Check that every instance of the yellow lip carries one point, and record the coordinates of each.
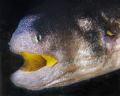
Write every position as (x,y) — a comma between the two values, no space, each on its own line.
(34,62)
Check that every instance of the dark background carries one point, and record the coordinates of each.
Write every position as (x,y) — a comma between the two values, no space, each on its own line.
(11,11)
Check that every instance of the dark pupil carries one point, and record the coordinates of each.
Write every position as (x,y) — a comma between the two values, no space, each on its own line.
(38,37)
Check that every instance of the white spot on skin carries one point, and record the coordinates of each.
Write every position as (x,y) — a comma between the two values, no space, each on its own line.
(85,24)
(84,52)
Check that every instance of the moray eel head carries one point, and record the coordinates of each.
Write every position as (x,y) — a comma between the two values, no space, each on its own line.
(62,47)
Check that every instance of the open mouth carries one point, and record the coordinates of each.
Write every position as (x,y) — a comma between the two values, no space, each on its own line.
(33,62)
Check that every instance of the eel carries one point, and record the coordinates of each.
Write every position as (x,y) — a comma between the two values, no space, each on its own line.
(64,42)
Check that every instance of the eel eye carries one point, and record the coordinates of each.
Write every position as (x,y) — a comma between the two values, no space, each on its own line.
(37,38)
(109,33)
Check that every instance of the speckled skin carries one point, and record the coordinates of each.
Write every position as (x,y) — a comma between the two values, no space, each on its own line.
(76,35)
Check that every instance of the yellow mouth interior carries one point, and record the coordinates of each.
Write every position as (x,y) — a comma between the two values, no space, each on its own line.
(34,62)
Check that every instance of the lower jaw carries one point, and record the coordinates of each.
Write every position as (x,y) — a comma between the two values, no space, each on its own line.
(65,81)
(82,75)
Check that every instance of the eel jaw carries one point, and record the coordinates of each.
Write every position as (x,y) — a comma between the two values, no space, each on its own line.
(34,62)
